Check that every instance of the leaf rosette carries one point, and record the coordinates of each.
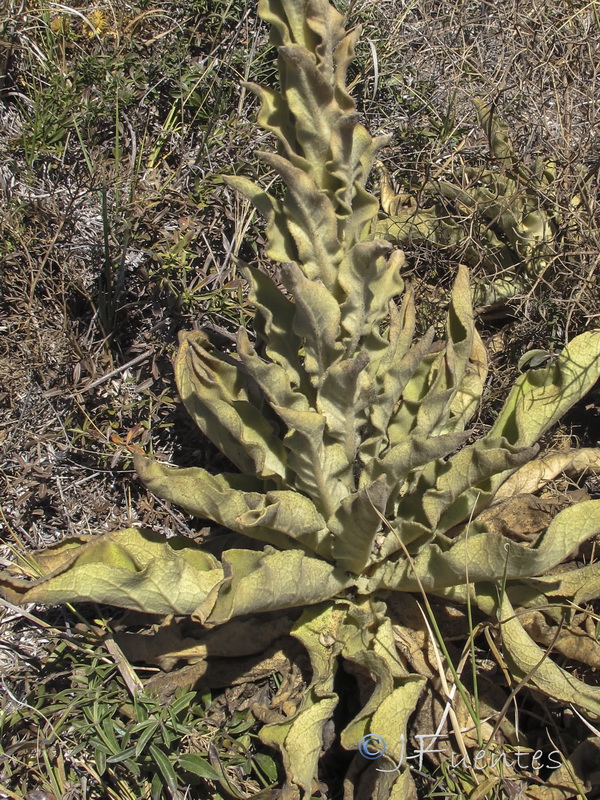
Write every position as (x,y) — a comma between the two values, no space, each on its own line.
(505,221)
(356,472)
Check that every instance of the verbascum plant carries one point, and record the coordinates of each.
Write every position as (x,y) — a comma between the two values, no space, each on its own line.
(355,470)
(505,221)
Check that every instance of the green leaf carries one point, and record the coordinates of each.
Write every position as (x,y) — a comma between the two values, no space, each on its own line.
(470,391)
(485,557)
(165,767)
(370,280)
(390,374)
(541,396)
(273,116)
(446,375)
(535,358)
(355,525)
(134,568)
(320,468)
(311,222)
(191,762)
(349,439)
(281,245)
(461,485)
(100,759)
(124,755)
(217,395)
(527,659)
(316,322)
(274,380)
(106,730)
(293,515)
(266,765)
(353,152)
(150,727)
(369,642)
(274,326)
(210,496)
(496,130)
(581,585)
(343,396)
(300,739)
(403,459)
(270,581)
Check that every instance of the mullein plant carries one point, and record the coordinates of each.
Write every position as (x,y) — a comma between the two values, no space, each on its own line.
(505,221)
(355,470)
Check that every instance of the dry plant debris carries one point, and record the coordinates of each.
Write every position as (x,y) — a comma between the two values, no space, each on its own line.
(113,239)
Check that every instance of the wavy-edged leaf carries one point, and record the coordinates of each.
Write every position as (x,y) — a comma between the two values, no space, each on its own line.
(343,396)
(273,323)
(445,379)
(294,515)
(355,524)
(419,373)
(300,739)
(133,568)
(294,518)
(220,498)
(496,130)
(316,321)
(353,151)
(369,641)
(311,221)
(408,456)
(311,100)
(217,395)
(390,373)
(274,117)
(485,557)
(462,486)
(370,280)
(318,467)
(470,390)
(286,19)
(541,396)
(269,581)
(335,48)
(280,242)
(273,379)
(447,492)
(527,659)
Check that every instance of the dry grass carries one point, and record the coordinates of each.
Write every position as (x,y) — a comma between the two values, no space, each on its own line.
(116,231)
(537,65)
